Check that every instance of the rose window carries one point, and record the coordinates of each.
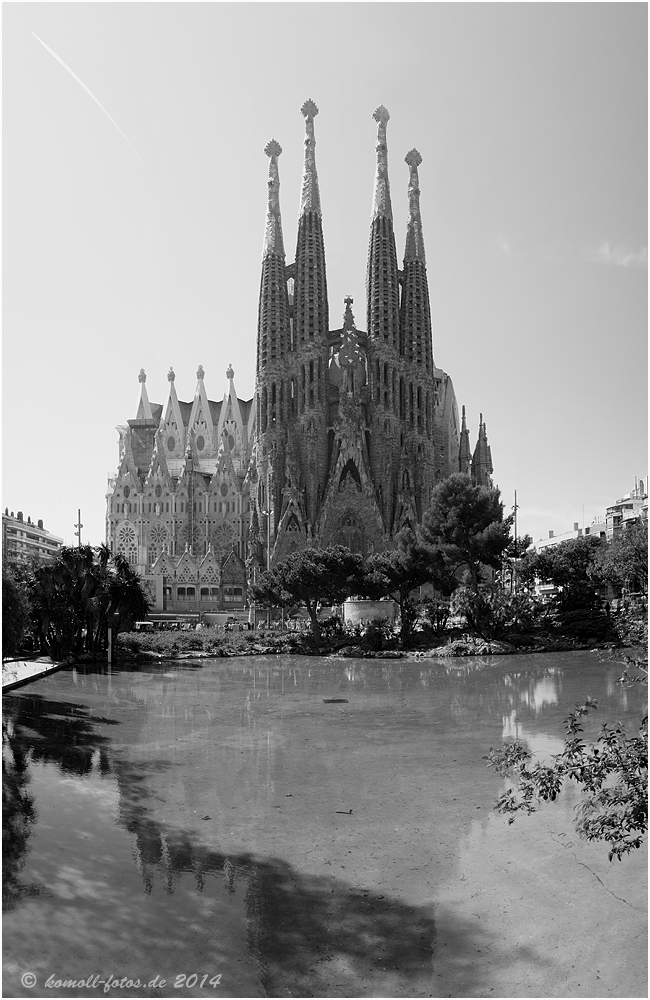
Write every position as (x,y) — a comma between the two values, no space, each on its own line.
(127,542)
(223,537)
(157,541)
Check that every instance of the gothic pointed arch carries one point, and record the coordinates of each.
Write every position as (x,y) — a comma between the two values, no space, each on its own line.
(126,541)
(164,566)
(210,568)
(201,428)
(172,426)
(187,568)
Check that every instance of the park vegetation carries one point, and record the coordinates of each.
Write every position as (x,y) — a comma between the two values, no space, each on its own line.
(65,608)
(612,775)
(483,582)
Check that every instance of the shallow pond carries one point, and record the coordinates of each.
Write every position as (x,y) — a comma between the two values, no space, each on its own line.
(294,826)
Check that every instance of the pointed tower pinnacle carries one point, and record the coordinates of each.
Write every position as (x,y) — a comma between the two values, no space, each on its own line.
(414,240)
(144,407)
(415,310)
(482,458)
(348,315)
(273,242)
(381,200)
(464,453)
(311,312)
(273,315)
(382,281)
(310,197)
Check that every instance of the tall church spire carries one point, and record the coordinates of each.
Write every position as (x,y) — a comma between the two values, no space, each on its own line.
(414,238)
(311,313)
(381,200)
(273,242)
(309,388)
(415,308)
(382,283)
(464,452)
(273,316)
(310,196)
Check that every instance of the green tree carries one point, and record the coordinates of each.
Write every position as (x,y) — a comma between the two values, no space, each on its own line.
(572,567)
(396,573)
(518,547)
(465,527)
(75,597)
(311,577)
(623,561)
(611,774)
(16,609)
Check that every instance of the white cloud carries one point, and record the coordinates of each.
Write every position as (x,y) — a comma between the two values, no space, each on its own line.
(503,245)
(618,256)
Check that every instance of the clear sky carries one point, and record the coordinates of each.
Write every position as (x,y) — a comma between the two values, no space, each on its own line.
(136,243)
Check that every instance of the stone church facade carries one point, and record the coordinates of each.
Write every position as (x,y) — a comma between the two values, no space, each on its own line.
(344,440)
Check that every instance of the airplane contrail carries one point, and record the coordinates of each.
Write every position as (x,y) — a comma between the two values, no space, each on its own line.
(90,94)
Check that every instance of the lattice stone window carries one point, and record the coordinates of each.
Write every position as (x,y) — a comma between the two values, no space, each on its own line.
(127,541)
(223,537)
(157,540)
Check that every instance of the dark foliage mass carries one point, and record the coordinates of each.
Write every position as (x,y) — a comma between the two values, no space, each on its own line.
(311,577)
(465,527)
(69,604)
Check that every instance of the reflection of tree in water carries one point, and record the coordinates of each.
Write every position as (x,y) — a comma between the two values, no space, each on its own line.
(58,732)
(18,815)
(35,729)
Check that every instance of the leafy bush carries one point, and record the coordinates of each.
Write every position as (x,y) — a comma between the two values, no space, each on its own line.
(495,614)
(435,615)
(585,623)
(613,776)
(631,627)
(207,640)
(378,635)
(332,627)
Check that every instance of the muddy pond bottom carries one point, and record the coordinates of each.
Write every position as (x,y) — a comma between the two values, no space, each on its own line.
(296,827)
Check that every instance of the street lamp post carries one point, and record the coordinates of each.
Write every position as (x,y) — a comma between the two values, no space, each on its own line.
(78,526)
(514,563)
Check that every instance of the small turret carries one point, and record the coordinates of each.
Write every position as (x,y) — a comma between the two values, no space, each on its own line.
(464,454)
(144,407)
(482,458)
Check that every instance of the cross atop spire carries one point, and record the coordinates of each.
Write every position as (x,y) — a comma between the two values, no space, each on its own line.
(310,196)
(414,249)
(381,203)
(273,242)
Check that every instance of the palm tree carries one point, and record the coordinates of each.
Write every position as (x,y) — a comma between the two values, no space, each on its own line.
(79,593)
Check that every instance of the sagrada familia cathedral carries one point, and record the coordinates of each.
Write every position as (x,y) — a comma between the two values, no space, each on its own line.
(344,440)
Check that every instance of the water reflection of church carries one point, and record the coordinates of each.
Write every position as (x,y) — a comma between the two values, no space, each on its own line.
(346,435)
